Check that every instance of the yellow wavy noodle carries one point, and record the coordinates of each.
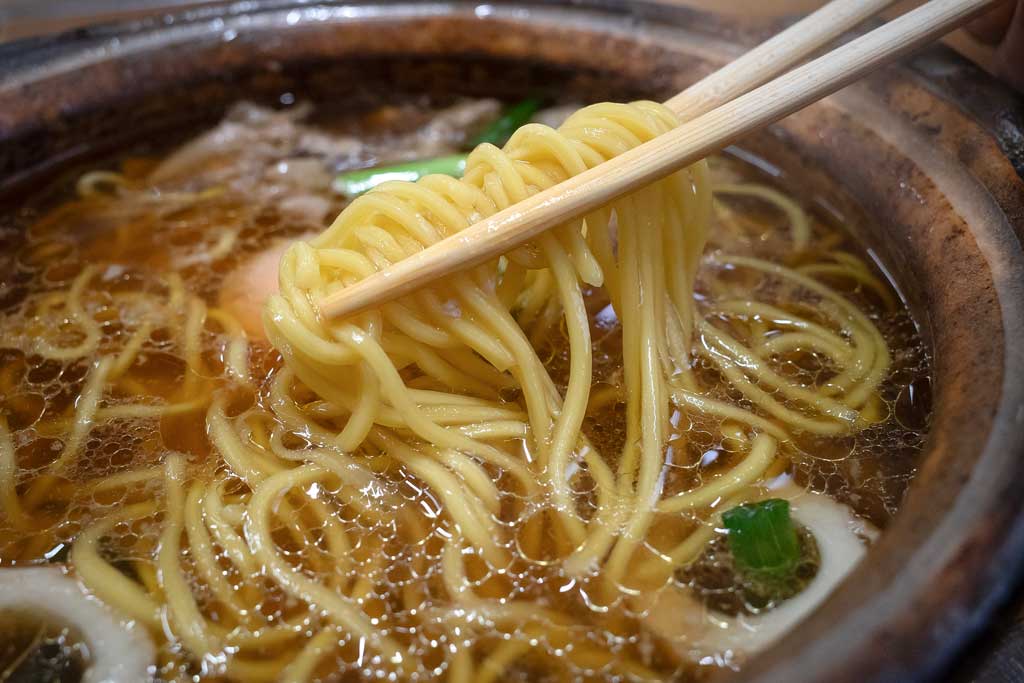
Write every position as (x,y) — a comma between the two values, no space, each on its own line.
(375,503)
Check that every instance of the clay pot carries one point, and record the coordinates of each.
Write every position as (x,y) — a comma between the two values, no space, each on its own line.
(928,155)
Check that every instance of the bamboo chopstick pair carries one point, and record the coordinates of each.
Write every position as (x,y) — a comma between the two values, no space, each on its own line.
(718,110)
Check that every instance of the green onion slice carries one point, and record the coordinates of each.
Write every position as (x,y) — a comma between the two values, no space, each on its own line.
(509,122)
(763,539)
(354,183)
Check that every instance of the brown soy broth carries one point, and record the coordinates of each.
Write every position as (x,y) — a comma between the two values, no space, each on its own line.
(32,650)
(868,470)
(137,243)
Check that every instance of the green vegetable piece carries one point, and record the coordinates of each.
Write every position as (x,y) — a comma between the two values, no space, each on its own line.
(355,183)
(763,539)
(501,130)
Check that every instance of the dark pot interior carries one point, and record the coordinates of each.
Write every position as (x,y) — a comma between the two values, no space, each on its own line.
(923,154)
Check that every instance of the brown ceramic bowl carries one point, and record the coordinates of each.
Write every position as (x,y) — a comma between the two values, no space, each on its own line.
(924,153)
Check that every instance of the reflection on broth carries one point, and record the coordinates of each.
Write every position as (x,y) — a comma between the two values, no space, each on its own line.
(157,447)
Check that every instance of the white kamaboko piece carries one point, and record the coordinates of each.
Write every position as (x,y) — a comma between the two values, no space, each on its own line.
(695,632)
(118,651)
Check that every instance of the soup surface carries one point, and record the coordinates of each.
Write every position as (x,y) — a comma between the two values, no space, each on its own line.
(138,389)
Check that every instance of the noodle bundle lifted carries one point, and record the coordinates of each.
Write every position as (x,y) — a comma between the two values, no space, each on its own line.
(422,361)
(459,343)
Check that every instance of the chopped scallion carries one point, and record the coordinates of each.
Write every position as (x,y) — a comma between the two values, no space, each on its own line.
(498,132)
(354,183)
(763,539)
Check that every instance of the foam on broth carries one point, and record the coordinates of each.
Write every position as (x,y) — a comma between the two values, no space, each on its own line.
(200,218)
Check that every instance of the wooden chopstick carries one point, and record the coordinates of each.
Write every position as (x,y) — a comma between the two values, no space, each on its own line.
(694,140)
(751,69)
(779,53)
